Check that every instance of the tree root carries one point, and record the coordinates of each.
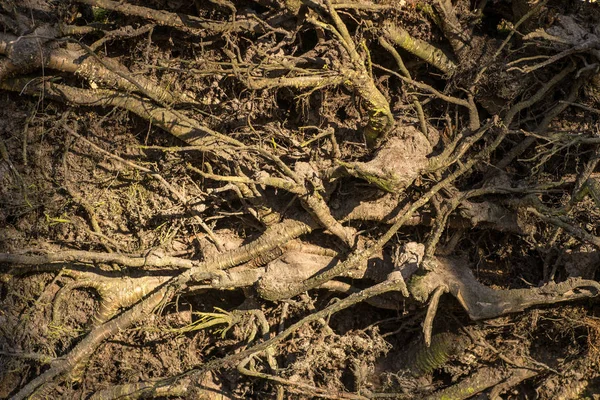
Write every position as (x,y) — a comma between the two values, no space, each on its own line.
(300,387)
(419,48)
(482,302)
(201,387)
(359,79)
(59,259)
(186,23)
(105,71)
(361,256)
(114,293)
(390,285)
(88,345)
(290,271)
(274,237)
(180,126)
(306,185)
(483,379)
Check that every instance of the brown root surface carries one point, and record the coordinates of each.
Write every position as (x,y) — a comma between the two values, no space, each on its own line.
(299,199)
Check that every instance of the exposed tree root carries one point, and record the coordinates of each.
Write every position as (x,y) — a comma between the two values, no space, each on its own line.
(114,293)
(421,49)
(393,284)
(188,23)
(483,379)
(275,101)
(482,302)
(84,349)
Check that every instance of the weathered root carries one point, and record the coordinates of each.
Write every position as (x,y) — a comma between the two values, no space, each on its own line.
(185,128)
(276,236)
(114,293)
(58,259)
(284,59)
(203,387)
(360,79)
(395,283)
(294,386)
(360,257)
(460,39)
(105,71)
(419,48)
(395,167)
(485,378)
(445,275)
(306,185)
(474,120)
(187,23)
(84,349)
(481,302)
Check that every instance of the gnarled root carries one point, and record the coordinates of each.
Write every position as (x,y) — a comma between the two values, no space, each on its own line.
(114,293)
(482,302)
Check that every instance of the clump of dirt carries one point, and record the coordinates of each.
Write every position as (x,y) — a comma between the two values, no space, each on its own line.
(333,361)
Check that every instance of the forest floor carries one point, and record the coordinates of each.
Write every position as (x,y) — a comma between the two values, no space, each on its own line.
(299,199)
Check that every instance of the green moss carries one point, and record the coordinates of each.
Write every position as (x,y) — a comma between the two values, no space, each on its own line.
(100,14)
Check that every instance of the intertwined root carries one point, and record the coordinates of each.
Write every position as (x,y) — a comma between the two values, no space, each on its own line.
(315,200)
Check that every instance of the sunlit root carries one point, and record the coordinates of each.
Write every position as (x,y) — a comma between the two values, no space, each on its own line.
(307,186)
(187,23)
(283,275)
(201,386)
(359,78)
(96,70)
(288,271)
(115,293)
(80,353)
(482,302)
(185,128)
(390,285)
(483,379)
(273,237)
(446,275)
(58,259)
(419,48)
(397,164)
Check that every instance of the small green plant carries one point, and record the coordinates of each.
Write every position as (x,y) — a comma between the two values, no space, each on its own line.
(208,320)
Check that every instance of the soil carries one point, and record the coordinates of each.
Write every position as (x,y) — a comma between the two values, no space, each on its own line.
(117,204)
